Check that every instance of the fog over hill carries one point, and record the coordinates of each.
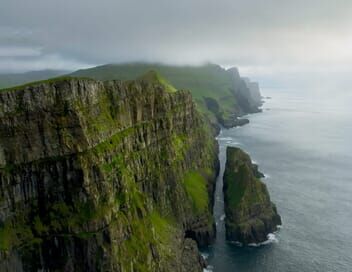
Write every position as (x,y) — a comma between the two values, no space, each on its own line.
(263,38)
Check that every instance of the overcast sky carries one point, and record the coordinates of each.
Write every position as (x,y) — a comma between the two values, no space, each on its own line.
(261,37)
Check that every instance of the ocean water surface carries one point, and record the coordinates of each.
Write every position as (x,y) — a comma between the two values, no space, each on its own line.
(302,143)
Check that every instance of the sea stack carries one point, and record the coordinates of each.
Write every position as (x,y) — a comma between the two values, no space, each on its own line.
(250,215)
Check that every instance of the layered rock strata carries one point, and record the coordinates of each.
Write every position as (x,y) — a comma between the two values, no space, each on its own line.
(104,176)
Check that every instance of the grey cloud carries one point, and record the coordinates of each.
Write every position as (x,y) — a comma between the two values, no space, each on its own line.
(252,34)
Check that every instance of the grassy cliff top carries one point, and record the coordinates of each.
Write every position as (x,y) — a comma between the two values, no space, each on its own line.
(208,82)
(40,82)
(204,81)
(154,77)
(150,77)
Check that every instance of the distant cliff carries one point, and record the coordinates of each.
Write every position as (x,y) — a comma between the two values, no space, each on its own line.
(104,176)
(250,215)
(254,91)
(222,95)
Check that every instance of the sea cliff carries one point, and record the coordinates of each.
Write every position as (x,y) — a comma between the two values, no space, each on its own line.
(104,176)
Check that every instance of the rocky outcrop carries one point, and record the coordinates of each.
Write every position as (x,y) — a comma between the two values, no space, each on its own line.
(103,176)
(234,122)
(250,215)
(227,121)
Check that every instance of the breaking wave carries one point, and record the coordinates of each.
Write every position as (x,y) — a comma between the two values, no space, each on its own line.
(271,240)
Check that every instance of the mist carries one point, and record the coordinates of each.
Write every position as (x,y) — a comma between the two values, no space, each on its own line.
(271,40)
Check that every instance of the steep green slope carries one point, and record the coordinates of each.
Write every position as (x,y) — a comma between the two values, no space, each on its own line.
(104,176)
(154,77)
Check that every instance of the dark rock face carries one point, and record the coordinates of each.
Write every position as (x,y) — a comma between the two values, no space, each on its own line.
(250,215)
(234,122)
(227,121)
(256,171)
(92,178)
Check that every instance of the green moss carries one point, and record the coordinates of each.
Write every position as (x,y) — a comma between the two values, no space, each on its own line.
(236,186)
(152,231)
(99,117)
(180,145)
(7,237)
(17,234)
(9,168)
(196,188)
(39,227)
(163,228)
(112,142)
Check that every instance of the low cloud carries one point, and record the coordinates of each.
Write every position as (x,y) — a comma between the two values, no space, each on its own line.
(259,36)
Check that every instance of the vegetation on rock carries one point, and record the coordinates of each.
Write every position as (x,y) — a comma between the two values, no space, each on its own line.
(103,176)
(229,95)
(250,215)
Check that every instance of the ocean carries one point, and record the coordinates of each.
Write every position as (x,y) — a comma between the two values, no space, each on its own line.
(302,143)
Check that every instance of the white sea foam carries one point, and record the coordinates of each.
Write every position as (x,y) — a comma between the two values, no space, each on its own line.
(271,240)
(224,138)
(208,269)
(235,143)
(204,255)
(222,217)
(267,176)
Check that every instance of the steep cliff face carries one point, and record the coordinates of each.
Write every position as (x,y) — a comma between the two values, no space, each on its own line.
(254,91)
(250,215)
(246,92)
(222,95)
(103,176)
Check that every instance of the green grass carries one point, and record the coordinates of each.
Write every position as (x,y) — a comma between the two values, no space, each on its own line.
(155,77)
(196,188)
(46,81)
(236,186)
